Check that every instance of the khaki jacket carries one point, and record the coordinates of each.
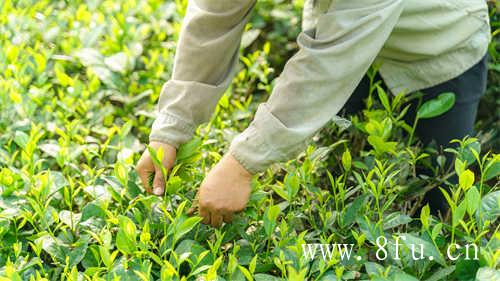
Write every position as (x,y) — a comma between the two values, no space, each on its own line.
(419,43)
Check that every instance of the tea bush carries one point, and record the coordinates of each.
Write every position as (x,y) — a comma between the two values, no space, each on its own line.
(78,84)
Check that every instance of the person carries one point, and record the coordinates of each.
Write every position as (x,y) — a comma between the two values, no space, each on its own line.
(432,46)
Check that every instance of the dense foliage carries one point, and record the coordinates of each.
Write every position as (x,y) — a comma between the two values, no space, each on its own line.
(78,85)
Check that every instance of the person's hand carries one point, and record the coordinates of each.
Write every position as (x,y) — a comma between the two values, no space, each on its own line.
(145,167)
(224,191)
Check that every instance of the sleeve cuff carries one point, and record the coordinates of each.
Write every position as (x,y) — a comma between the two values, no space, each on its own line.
(168,128)
(250,150)
(182,106)
(266,141)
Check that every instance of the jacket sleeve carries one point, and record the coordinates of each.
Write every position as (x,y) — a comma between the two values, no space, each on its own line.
(204,65)
(317,81)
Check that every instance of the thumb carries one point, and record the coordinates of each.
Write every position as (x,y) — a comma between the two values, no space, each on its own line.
(158,182)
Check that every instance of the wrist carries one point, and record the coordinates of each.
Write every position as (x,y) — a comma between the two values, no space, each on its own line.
(232,161)
(165,144)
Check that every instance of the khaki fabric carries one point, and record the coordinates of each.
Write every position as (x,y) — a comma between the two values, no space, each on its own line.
(419,44)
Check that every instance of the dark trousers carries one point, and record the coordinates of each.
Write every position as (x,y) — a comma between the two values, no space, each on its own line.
(457,123)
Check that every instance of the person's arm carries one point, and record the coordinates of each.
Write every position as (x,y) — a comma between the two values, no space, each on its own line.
(313,87)
(207,52)
(317,81)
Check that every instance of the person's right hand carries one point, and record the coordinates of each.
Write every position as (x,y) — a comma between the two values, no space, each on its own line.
(145,167)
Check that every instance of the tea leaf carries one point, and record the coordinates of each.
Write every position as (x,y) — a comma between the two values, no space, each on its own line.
(429,248)
(126,236)
(436,106)
(487,274)
(490,206)
(466,179)
(473,199)
(185,226)
(346,160)
(270,217)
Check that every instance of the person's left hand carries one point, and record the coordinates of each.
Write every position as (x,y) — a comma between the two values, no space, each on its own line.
(224,191)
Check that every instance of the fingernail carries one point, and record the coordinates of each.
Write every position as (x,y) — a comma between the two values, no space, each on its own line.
(158,191)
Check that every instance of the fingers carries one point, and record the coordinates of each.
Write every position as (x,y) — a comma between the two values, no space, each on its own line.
(195,205)
(144,176)
(158,182)
(167,162)
(227,217)
(205,215)
(145,169)
(215,219)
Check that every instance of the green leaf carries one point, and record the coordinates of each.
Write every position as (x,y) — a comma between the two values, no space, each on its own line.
(383,98)
(245,272)
(436,106)
(280,191)
(425,216)
(353,209)
(270,217)
(265,277)
(118,62)
(196,250)
(92,210)
(459,166)
(212,271)
(404,277)
(395,219)
(380,145)
(41,62)
(473,199)
(370,229)
(76,251)
(249,37)
(89,57)
(441,273)
(490,206)
(330,276)
(121,173)
(429,248)
(253,264)
(62,77)
(465,270)
(436,230)
(133,189)
(69,218)
(174,184)
(99,192)
(487,274)
(156,155)
(346,160)
(374,269)
(492,168)
(459,213)
(126,236)
(467,152)
(59,251)
(51,245)
(190,151)
(292,185)
(466,179)
(21,139)
(185,226)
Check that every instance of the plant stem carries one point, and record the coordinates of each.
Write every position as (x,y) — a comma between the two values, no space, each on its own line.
(410,139)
